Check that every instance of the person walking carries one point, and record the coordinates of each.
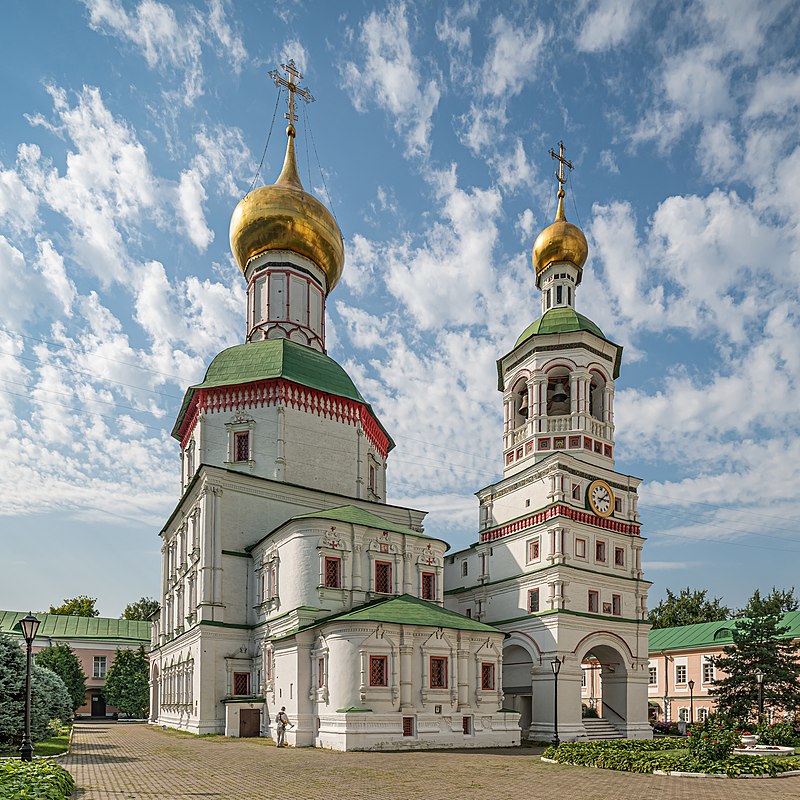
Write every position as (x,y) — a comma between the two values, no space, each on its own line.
(282,722)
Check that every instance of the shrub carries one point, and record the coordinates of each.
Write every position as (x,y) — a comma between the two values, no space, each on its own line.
(587,712)
(779,733)
(666,728)
(43,780)
(713,739)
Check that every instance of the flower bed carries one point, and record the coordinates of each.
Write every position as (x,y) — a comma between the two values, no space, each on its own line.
(43,780)
(663,755)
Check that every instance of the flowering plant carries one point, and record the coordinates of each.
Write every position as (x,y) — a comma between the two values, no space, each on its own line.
(713,739)
(779,733)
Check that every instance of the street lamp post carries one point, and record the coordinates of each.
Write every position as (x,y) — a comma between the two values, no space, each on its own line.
(556,665)
(29,627)
(760,681)
(691,702)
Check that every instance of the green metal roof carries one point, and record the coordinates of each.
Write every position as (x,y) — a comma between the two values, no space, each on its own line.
(358,516)
(709,634)
(559,320)
(408,610)
(59,626)
(275,358)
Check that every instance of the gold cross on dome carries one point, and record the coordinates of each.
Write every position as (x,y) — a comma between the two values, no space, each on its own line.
(292,85)
(562,162)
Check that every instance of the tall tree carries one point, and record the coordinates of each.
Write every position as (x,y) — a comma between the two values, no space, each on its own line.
(686,608)
(80,606)
(142,609)
(757,645)
(126,683)
(62,660)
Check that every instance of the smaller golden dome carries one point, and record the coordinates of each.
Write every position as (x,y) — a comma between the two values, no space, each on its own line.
(284,216)
(561,241)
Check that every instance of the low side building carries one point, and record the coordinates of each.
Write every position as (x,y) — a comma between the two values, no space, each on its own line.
(94,640)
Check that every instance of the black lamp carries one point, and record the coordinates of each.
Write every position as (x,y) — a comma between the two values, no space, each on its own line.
(29,625)
(556,665)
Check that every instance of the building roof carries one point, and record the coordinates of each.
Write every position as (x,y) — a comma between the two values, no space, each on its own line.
(408,610)
(559,320)
(709,634)
(270,359)
(60,626)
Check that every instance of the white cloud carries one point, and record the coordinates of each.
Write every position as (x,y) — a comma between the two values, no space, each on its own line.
(191,196)
(50,264)
(513,57)
(776,93)
(17,283)
(608,24)
(293,49)
(525,225)
(18,205)
(391,77)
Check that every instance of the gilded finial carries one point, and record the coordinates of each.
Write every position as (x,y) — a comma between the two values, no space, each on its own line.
(561,178)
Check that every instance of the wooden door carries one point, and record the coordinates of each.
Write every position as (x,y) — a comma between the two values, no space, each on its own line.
(249,722)
(98,705)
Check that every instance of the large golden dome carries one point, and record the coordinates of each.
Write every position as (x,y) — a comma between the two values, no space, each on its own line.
(284,216)
(561,241)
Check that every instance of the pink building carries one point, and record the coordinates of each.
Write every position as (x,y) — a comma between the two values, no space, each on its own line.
(679,657)
(94,640)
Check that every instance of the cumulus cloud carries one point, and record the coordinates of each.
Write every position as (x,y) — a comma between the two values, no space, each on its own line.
(608,23)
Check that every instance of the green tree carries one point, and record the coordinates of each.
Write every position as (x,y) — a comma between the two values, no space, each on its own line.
(758,645)
(686,608)
(126,683)
(50,700)
(142,609)
(80,606)
(61,660)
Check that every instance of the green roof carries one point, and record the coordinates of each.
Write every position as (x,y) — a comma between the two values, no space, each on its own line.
(408,610)
(60,626)
(559,320)
(709,634)
(275,358)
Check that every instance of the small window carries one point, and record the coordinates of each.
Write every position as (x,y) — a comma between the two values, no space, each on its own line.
(680,673)
(617,505)
(464,568)
(466,725)
(408,726)
(241,684)
(528,503)
(333,573)
(600,551)
(619,556)
(100,666)
(321,672)
(547,298)
(583,678)
(652,676)
(616,605)
(383,577)
(559,295)
(533,601)
(594,601)
(428,586)
(708,671)
(378,671)
(580,548)
(702,714)
(576,491)
(533,549)
(241,446)
(373,479)
(683,715)
(487,676)
(569,294)
(469,613)
(438,672)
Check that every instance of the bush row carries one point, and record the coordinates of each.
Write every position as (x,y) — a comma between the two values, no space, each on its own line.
(43,780)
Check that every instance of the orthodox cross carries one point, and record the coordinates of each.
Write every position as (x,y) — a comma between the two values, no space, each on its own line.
(562,162)
(292,85)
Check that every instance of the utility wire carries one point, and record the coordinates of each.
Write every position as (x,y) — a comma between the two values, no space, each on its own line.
(269,136)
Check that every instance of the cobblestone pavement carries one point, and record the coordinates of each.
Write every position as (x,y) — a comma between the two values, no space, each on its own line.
(117,762)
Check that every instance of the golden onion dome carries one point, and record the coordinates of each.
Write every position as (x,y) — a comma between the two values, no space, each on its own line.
(561,241)
(284,216)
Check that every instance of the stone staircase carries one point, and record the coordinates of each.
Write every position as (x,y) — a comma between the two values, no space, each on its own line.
(598,729)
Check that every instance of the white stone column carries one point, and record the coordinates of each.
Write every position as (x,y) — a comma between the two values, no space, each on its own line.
(406,675)
(463,678)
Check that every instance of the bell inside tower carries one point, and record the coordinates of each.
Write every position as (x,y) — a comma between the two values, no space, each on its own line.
(558,395)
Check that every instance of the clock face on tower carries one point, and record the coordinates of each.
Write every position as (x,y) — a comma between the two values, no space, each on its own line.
(601,498)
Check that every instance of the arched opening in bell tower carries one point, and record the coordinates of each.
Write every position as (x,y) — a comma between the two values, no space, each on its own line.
(604,688)
(521,402)
(597,391)
(558,392)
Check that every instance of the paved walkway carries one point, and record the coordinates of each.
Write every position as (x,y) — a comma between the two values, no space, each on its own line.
(117,762)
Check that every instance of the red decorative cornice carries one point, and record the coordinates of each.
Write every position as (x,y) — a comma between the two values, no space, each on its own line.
(281,392)
(559,510)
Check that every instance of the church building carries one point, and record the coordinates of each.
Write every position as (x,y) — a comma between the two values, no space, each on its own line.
(287,579)
(558,561)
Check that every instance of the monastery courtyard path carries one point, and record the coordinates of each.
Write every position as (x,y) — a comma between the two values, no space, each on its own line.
(117,762)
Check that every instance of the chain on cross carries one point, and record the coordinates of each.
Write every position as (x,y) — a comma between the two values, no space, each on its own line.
(292,85)
(562,162)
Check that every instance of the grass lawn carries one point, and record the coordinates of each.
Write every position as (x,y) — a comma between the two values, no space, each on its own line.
(47,747)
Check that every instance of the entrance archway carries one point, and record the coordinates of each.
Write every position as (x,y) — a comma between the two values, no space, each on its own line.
(606,678)
(517,664)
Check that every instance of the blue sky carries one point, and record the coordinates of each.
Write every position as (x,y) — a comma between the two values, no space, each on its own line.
(131,129)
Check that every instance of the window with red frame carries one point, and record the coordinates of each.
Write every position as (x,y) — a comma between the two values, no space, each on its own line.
(408,726)
(321,672)
(466,725)
(616,605)
(600,551)
(533,601)
(333,573)
(378,671)
(383,577)
(241,683)
(533,550)
(241,446)
(619,557)
(594,602)
(438,672)
(487,676)
(428,586)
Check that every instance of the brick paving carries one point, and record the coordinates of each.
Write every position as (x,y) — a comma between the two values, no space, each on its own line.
(117,762)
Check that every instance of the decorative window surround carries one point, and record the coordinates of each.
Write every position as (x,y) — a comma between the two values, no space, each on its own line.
(239,425)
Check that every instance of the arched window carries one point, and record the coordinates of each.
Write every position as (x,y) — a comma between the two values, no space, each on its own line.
(521,408)
(558,393)
(597,396)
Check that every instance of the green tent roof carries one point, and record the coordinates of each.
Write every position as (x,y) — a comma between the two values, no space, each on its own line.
(559,320)
(275,358)
(709,634)
(408,610)
(59,626)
